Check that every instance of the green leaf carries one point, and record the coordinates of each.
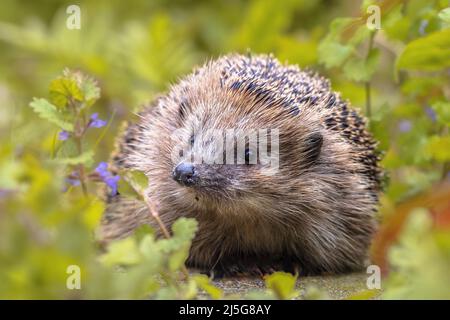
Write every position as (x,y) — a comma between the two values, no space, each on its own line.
(444,15)
(122,252)
(333,54)
(204,283)
(143,231)
(331,51)
(438,148)
(49,112)
(282,284)
(442,109)
(91,91)
(184,229)
(178,257)
(358,69)
(62,90)
(137,179)
(152,251)
(86,158)
(178,245)
(430,53)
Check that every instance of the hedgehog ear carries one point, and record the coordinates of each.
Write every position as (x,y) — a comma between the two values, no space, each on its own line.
(312,148)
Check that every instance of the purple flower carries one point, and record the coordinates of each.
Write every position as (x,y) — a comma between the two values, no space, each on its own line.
(71,180)
(110,180)
(102,169)
(405,126)
(96,122)
(431,113)
(423,26)
(74,182)
(63,135)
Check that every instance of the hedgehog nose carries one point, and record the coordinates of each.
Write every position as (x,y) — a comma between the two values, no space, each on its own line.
(184,173)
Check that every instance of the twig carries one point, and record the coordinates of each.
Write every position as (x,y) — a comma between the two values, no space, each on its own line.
(155,215)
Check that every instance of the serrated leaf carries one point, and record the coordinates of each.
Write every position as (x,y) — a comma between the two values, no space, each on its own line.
(143,231)
(178,257)
(178,245)
(184,228)
(63,89)
(49,112)
(183,232)
(151,250)
(282,284)
(86,158)
(91,91)
(121,252)
(430,53)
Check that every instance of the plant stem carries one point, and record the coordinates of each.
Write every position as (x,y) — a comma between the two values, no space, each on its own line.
(368,100)
(79,132)
(367,83)
(154,213)
(81,168)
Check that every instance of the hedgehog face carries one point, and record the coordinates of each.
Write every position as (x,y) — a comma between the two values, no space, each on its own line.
(235,154)
(216,162)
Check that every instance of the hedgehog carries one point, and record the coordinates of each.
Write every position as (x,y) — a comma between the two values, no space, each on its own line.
(312,212)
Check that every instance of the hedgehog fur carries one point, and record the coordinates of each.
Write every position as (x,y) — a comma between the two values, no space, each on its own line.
(314,215)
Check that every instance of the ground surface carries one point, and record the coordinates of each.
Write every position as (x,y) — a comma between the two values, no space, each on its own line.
(331,287)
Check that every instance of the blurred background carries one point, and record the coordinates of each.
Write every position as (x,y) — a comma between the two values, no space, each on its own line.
(398,76)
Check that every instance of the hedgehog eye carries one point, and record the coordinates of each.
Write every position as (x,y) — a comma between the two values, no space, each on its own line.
(192,140)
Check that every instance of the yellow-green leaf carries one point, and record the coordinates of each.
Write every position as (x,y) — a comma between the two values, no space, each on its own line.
(282,285)
(430,53)
(204,283)
(64,89)
(86,158)
(438,148)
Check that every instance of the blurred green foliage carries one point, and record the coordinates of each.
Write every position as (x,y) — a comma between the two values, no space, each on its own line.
(398,75)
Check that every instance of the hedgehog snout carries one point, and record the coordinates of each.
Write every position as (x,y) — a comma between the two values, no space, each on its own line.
(185,174)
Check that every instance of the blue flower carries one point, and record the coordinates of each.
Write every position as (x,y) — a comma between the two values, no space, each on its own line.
(431,113)
(405,126)
(110,180)
(96,122)
(63,135)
